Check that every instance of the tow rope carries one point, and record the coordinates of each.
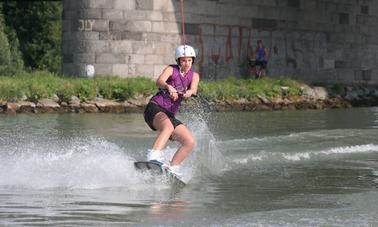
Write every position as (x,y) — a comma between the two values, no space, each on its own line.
(182,21)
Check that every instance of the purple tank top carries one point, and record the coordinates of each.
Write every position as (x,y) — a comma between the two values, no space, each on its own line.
(180,83)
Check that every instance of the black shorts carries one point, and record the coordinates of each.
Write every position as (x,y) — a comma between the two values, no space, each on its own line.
(262,63)
(152,109)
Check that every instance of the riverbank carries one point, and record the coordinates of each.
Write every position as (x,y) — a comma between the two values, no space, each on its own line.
(312,97)
(44,92)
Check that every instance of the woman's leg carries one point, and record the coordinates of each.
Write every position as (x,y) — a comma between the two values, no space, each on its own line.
(165,128)
(182,134)
(262,73)
(253,71)
(264,68)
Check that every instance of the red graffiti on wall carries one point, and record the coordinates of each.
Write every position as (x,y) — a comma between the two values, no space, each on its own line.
(249,46)
(214,51)
(200,40)
(215,56)
(240,42)
(229,55)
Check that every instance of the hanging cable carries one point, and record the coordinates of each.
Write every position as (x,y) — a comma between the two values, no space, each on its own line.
(182,21)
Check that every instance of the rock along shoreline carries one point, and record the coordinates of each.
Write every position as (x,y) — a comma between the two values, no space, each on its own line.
(312,98)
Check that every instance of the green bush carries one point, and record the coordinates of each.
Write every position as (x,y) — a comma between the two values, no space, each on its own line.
(141,86)
(84,89)
(232,88)
(37,91)
(107,86)
(42,84)
(112,87)
(65,91)
(338,89)
(10,90)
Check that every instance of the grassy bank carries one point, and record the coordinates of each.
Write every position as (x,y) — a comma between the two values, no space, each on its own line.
(38,85)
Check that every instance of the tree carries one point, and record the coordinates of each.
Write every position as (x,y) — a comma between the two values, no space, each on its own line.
(10,56)
(37,24)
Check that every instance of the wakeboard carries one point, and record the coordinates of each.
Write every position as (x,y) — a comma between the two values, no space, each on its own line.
(156,169)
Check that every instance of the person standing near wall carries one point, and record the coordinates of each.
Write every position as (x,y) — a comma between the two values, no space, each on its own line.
(259,60)
(175,83)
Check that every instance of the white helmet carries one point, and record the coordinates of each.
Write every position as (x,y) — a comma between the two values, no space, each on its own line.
(184,51)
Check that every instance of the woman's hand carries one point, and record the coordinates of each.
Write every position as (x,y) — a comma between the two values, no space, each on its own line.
(188,94)
(172,92)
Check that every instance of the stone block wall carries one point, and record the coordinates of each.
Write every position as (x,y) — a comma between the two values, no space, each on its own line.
(311,40)
(119,37)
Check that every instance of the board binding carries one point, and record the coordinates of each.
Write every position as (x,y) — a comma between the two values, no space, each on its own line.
(156,168)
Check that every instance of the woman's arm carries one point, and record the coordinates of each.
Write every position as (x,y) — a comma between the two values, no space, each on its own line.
(162,82)
(193,86)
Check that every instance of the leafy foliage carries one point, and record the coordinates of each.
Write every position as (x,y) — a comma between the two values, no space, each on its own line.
(10,57)
(5,55)
(9,90)
(232,88)
(338,89)
(122,89)
(37,25)
(43,84)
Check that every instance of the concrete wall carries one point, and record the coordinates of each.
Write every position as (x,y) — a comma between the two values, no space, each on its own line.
(310,40)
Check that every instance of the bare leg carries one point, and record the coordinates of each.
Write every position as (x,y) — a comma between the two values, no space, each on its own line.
(263,72)
(164,126)
(257,72)
(185,137)
(253,71)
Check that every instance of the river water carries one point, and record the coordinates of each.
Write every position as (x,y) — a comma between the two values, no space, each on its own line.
(291,168)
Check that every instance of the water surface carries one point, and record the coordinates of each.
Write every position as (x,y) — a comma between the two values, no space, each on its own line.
(293,168)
